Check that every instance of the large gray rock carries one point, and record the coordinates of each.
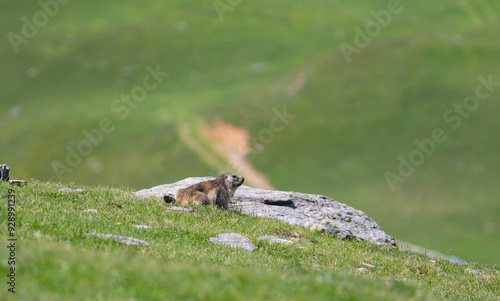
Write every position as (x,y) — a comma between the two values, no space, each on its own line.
(309,210)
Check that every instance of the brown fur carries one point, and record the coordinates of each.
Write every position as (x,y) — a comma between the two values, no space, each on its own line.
(215,192)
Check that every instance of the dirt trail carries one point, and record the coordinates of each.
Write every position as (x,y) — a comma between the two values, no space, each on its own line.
(233,144)
(186,133)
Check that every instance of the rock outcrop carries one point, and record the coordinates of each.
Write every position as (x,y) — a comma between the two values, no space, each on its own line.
(312,211)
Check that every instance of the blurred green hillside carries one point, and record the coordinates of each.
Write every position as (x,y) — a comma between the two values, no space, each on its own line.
(355,115)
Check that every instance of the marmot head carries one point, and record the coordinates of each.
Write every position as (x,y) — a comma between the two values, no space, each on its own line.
(232,180)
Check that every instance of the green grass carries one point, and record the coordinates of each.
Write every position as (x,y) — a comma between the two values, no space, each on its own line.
(348,142)
(353,119)
(56,261)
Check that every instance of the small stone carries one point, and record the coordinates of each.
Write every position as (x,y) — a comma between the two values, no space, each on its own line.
(371,266)
(478,272)
(129,241)
(361,269)
(180,209)
(65,189)
(142,227)
(279,240)
(234,240)
(18,182)
(90,210)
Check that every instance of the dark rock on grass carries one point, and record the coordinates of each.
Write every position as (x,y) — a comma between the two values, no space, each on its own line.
(316,212)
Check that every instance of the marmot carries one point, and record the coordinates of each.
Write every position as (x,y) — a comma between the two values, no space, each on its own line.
(216,192)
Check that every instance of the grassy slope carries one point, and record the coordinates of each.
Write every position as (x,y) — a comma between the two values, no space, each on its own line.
(349,142)
(364,114)
(55,261)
